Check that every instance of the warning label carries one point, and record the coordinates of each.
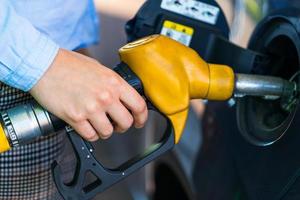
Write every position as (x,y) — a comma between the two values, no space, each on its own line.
(178,32)
(194,9)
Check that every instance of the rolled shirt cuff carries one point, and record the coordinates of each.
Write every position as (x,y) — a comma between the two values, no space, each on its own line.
(34,65)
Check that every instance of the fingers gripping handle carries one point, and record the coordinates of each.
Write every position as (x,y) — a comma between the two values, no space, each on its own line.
(123,70)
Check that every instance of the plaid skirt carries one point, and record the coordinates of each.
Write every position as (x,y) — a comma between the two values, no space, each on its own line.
(25,172)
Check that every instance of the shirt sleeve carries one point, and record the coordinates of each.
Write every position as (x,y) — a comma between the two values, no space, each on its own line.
(25,52)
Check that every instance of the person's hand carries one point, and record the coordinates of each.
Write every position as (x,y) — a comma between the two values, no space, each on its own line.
(91,98)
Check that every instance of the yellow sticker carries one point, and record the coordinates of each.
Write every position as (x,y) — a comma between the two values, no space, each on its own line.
(178,27)
(178,32)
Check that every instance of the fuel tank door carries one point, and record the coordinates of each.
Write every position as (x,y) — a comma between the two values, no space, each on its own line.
(263,121)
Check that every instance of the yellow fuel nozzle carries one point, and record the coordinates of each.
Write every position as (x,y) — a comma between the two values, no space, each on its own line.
(172,74)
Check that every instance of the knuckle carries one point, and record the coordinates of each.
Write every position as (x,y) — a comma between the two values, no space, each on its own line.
(76,116)
(140,106)
(92,107)
(114,80)
(105,98)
